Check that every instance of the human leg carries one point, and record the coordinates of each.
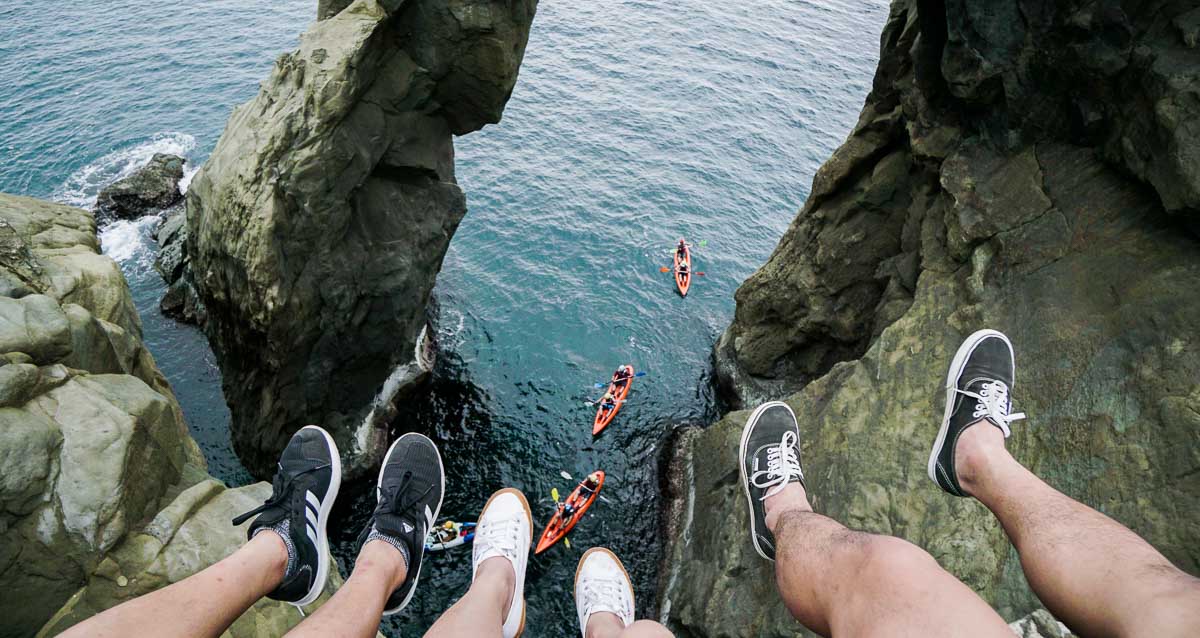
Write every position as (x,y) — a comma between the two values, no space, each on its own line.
(494,605)
(838,581)
(285,556)
(1090,571)
(604,599)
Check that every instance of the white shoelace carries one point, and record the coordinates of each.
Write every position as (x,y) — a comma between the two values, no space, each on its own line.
(783,465)
(606,594)
(502,535)
(992,402)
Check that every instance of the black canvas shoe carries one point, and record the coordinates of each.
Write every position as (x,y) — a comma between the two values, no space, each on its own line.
(303,490)
(770,460)
(977,388)
(408,499)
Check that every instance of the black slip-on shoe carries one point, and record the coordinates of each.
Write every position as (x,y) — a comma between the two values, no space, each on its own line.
(306,483)
(977,388)
(769,460)
(408,499)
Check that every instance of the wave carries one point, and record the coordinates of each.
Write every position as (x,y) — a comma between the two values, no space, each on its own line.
(130,242)
(82,187)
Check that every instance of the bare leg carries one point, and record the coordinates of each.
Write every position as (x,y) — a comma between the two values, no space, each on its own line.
(482,610)
(1090,571)
(354,611)
(607,625)
(203,604)
(842,582)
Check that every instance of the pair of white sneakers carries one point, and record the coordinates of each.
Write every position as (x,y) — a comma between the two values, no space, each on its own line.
(505,529)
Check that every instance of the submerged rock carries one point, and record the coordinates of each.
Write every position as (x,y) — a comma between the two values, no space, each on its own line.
(103,493)
(153,187)
(317,227)
(1013,168)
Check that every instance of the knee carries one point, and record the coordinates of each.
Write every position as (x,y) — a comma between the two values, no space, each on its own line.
(886,557)
(646,629)
(1172,610)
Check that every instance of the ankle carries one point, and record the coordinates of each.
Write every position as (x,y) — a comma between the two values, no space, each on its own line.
(380,557)
(979,450)
(603,624)
(497,575)
(790,498)
(270,546)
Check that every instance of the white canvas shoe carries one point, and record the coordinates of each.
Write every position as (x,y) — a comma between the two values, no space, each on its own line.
(602,584)
(505,529)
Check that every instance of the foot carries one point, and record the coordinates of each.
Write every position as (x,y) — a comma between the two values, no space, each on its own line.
(977,391)
(303,490)
(505,529)
(602,585)
(769,461)
(408,498)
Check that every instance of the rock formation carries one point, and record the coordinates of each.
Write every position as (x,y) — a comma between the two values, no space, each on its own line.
(103,494)
(153,187)
(1029,166)
(318,225)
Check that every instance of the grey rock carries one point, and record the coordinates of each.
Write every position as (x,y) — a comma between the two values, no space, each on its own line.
(153,187)
(318,225)
(980,188)
(100,474)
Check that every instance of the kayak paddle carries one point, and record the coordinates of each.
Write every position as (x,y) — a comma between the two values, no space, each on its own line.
(699,273)
(563,473)
(554,495)
(605,384)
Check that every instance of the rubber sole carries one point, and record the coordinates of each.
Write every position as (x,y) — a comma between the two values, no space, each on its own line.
(335,483)
(442,470)
(952,377)
(519,589)
(754,416)
(582,560)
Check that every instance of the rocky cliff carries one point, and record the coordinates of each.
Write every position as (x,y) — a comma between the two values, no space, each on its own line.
(1025,165)
(316,229)
(103,494)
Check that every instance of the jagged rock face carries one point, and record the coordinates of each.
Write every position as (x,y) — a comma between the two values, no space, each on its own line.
(92,441)
(973,193)
(153,187)
(1124,82)
(318,225)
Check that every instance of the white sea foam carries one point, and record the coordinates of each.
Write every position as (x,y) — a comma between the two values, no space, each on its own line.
(84,185)
(189,171)
(130,242)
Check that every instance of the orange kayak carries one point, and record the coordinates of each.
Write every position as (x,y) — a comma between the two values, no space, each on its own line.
(604,417)
(556,528)
(683,281)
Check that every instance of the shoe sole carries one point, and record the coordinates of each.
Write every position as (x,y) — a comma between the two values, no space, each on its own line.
(335,483)
(442,471)
(750,423)
(579,567)
(952,378)
(529,516)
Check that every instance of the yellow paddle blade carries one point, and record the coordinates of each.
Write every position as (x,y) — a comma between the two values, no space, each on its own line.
(567,542)
(554,494)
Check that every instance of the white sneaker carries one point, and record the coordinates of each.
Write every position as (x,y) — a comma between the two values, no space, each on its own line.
(602,584)
(505,529)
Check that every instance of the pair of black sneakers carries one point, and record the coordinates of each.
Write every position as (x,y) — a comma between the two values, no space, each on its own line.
(408,499)
(977,389)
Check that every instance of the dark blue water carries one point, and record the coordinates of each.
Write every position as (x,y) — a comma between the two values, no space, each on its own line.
(633,124)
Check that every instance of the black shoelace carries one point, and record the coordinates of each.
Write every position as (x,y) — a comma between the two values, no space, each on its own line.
(397,506)
(281,490)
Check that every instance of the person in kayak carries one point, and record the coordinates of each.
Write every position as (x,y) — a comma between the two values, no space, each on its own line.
(622,375)
(589,485)
(683,269)
(609,401)
(447,533)
(681,250)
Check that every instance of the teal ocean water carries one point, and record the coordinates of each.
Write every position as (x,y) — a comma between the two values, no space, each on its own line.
(634,123)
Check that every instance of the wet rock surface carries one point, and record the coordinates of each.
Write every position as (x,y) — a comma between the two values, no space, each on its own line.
(1017,166)
(104,494)
(153,187)
(316,229)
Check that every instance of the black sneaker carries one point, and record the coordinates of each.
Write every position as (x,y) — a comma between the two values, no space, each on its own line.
(769,460)
(977,388)
(303,491)
(408,499)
